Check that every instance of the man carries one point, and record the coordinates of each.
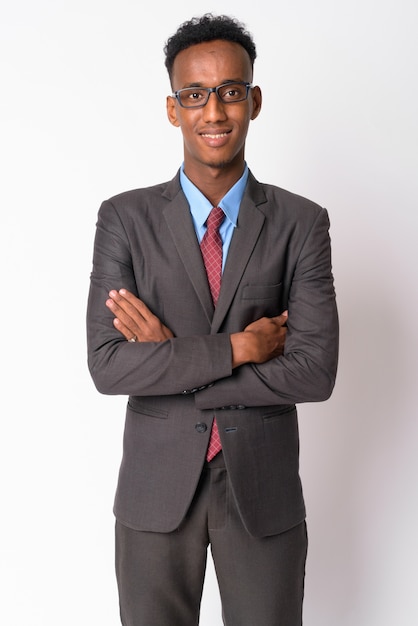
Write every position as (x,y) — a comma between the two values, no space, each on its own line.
(212,353)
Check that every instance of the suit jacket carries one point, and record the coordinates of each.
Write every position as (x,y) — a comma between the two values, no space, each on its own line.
(279,259)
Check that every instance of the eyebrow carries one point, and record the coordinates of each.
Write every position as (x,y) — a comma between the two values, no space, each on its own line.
(224,82)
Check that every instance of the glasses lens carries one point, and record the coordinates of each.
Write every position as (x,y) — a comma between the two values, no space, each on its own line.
(192,97)
(233,92)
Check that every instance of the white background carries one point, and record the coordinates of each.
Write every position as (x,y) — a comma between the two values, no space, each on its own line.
(82,116)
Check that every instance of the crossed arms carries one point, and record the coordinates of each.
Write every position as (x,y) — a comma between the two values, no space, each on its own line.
(266,363)
(259,342)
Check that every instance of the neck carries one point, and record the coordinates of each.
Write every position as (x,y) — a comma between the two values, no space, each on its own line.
(214,182)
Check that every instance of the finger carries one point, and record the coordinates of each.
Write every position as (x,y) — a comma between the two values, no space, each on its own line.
(130,306)
(124,330)
(134,323)
(116,307)
(282,318)
(125,302)
(136,303)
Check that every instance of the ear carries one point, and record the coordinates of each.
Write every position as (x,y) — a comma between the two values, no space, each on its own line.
(172,111)
(257,100)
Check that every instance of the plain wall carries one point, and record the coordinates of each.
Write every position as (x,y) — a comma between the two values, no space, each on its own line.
(83,117)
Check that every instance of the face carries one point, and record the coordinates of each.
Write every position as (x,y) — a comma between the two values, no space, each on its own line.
(213,135)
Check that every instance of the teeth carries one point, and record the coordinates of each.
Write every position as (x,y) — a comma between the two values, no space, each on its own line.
(215,136)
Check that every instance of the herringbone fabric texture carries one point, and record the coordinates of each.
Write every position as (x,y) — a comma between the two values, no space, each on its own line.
(211,247)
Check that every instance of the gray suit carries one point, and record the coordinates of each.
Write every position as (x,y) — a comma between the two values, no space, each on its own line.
(279,259)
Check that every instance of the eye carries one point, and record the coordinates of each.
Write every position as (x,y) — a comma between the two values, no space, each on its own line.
(233,92)
(196,95)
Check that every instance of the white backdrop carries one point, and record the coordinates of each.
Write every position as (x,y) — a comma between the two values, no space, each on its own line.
(339,125)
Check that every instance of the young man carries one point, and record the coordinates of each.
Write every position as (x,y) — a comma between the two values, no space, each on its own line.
(214,331)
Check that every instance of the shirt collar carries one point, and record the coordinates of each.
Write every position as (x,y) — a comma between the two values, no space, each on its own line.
(200,207)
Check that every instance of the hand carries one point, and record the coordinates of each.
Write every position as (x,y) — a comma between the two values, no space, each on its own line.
(260,341)
(134,319)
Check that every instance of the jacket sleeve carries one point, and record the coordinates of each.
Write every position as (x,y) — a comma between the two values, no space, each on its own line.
(174,366)
(306,372)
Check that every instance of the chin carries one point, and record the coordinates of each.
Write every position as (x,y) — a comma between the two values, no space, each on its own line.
(218,163)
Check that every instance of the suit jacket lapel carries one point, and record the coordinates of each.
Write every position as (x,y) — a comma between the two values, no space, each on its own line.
(178,218)
(250,223)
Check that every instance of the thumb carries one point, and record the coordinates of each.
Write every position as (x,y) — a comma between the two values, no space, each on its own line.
(282,318)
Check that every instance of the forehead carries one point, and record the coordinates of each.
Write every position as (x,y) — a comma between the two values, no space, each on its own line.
(211,63)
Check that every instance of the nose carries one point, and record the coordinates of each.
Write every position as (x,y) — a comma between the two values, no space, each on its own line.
(214,109)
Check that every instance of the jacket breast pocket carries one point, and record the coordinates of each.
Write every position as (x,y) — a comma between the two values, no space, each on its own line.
(262,292)
(262,301)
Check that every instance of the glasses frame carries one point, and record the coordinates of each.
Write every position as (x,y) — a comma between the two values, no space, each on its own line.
(209,90)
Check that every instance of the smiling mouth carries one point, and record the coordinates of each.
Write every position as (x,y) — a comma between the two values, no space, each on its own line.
(214,136)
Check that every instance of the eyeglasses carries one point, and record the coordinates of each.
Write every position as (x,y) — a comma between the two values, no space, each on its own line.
(228,93)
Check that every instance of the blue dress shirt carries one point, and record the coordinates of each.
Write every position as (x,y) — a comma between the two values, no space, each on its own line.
(200,207)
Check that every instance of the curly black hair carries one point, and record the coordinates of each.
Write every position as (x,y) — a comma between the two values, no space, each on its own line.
(207,28)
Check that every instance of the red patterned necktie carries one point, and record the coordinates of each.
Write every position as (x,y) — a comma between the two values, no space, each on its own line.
(211,247)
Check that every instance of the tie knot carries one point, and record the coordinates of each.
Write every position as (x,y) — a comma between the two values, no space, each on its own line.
(215,218)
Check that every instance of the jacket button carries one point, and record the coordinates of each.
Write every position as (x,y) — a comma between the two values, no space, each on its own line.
(201,427)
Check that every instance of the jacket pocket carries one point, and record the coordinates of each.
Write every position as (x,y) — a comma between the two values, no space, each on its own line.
(143,408)
(278,412)
(262,292)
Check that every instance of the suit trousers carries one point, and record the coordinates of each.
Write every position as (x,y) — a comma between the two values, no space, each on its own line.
(160,575)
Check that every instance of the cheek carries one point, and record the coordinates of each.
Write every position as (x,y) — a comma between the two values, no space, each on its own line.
(187,123)
(189,133)
(243,127)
